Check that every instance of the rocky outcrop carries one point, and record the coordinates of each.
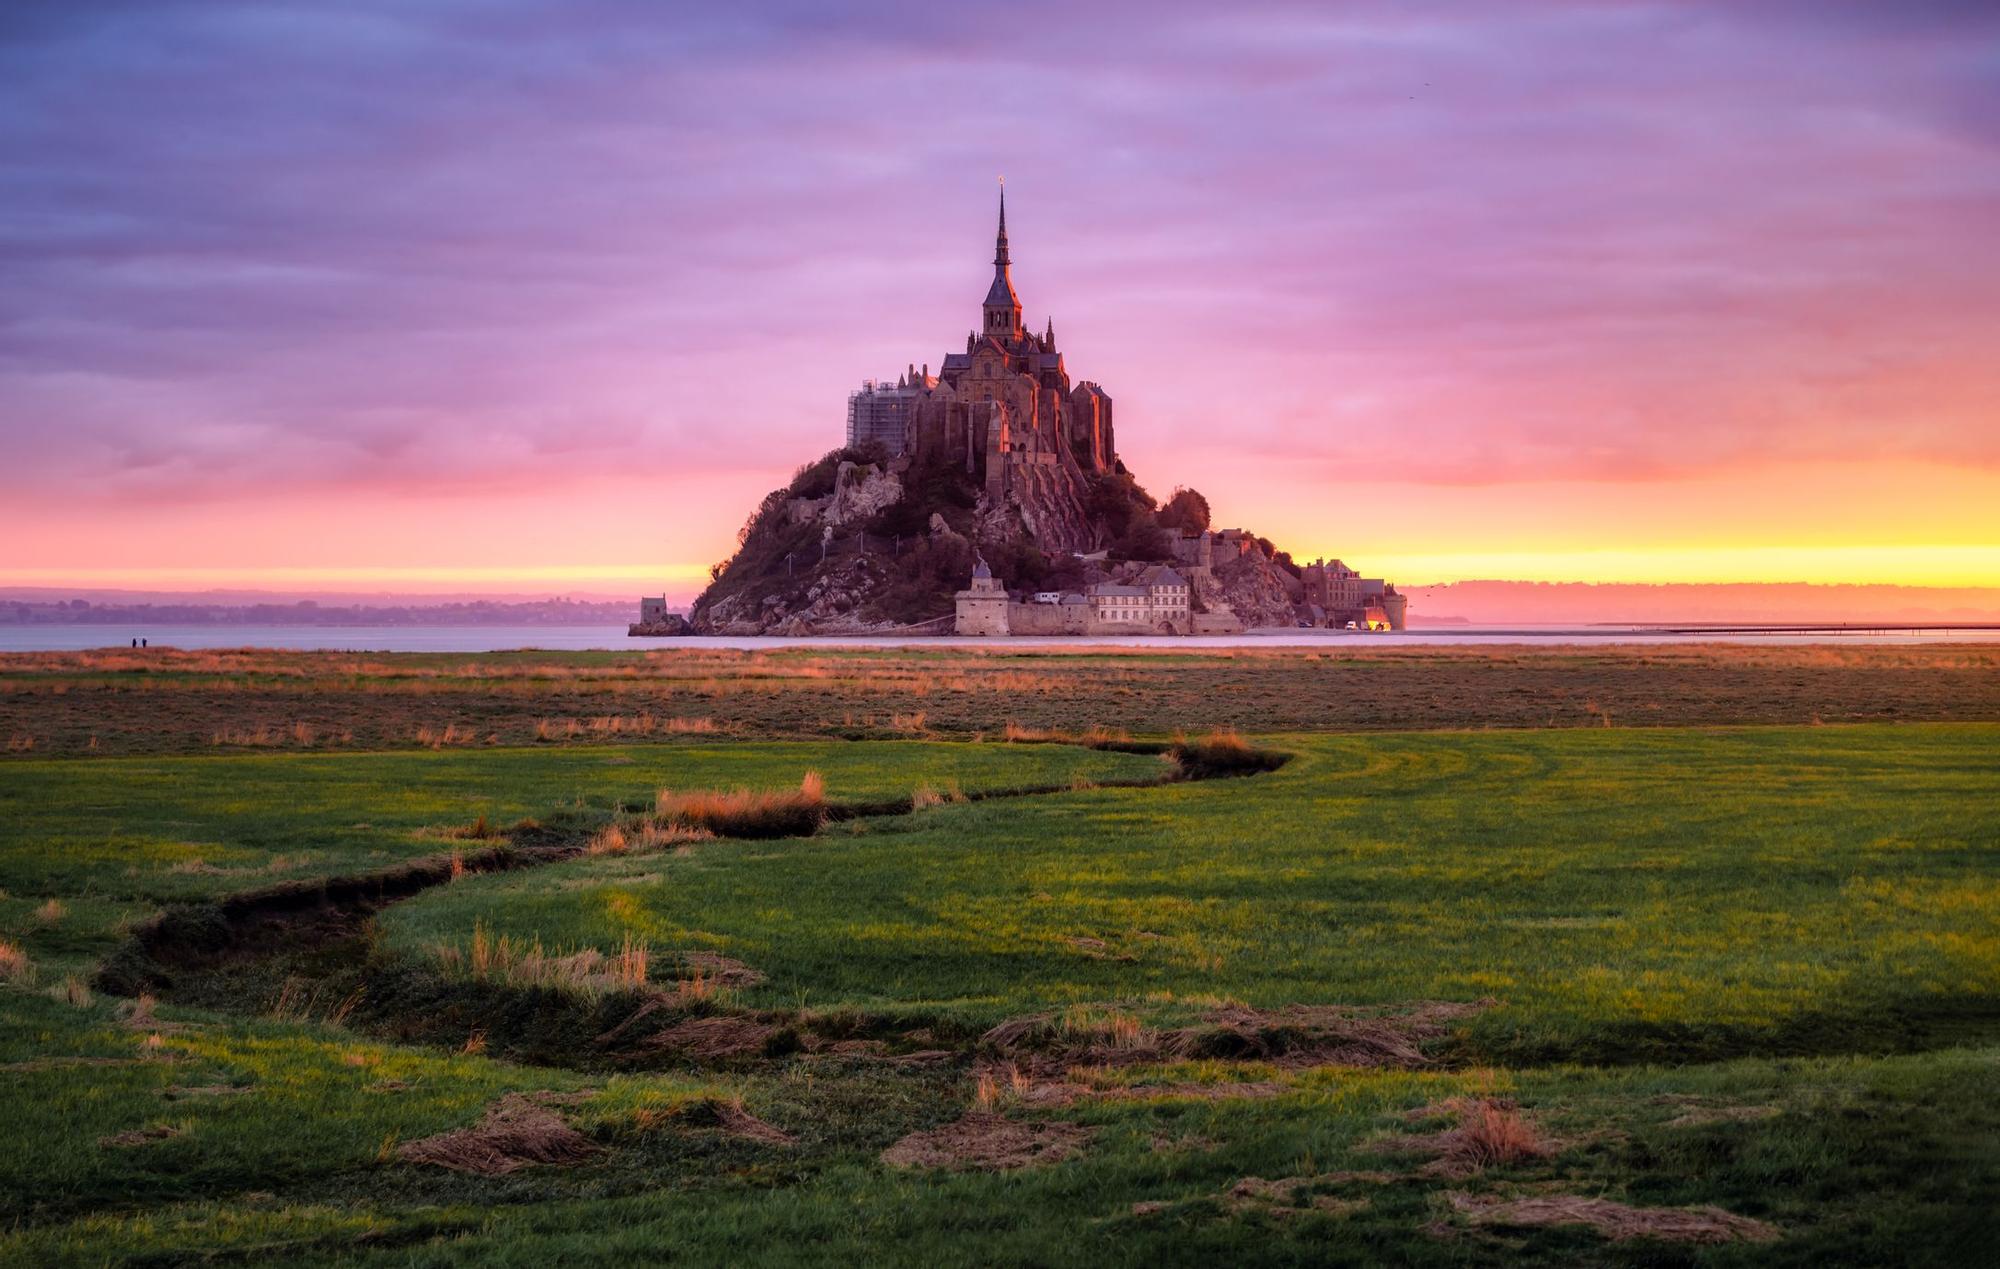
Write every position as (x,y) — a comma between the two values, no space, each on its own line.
(860,544)
(667,626)
(1050,504)
(831,601)
(860,492)
(1255,588)
(944,534)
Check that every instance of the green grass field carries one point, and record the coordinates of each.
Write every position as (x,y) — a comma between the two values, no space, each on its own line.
(1665,887)
(1751,969)
(114,840)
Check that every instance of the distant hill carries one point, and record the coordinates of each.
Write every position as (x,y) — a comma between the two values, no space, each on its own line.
(181,612)
(1509,602)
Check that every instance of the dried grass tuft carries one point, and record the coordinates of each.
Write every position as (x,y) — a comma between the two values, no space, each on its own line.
(526,964)
(645,837)
(738,1122)
(1615,1221)
(480,830)
(140,1136)
(15,967)
(1489,1133)
(1112,1029)
(926,796)
(715,1036)
(518,1131)
(452,734)
(1220,753)
(987,1142)
(747,812)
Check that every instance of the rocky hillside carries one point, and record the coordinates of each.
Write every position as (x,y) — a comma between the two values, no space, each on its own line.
(859,542)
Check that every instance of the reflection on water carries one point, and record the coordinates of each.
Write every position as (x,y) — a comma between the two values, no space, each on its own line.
(54,638)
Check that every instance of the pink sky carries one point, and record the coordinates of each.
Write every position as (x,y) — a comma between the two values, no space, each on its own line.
(546,296)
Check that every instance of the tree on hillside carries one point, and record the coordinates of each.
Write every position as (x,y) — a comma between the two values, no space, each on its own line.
(1187,511)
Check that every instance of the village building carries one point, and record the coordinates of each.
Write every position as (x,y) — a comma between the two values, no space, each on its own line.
(1338,596)
(1160,601)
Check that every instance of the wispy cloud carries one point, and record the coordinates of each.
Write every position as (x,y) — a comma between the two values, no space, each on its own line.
(384,250)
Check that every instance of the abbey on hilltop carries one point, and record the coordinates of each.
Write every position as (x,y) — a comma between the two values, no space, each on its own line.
(1004,410)
(988,498)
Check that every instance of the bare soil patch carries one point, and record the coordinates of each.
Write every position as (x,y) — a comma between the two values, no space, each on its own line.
(988,1142)
(716,969)
(139,1137)
(1292,1037)
(1615,1221)
(738,1122)
(1327,1035)
(1699,1112)
(1286,1197)
(715,1036)
(1190,1144)
(1032,1092)
(1280,1199)
(518,1131)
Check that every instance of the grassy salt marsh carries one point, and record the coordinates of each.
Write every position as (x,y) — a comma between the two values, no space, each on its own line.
(1596,994)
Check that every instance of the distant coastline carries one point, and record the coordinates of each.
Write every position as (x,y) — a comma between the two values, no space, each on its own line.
(82,612)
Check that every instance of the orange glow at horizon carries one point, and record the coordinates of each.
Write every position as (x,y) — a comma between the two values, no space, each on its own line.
(640,533)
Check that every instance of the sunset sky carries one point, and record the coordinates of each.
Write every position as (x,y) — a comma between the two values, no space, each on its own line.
(545,296)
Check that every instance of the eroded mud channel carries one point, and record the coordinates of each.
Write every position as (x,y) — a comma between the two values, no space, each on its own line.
(307,949)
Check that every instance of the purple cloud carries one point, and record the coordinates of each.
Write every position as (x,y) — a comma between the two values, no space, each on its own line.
(468,244)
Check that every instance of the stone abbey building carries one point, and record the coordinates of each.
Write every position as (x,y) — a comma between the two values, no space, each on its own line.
(1005,407)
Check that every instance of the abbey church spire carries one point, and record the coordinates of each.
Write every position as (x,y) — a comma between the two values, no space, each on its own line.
(1000,239)
(1002,310)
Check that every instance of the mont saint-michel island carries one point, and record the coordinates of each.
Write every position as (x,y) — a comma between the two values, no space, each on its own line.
(987,498)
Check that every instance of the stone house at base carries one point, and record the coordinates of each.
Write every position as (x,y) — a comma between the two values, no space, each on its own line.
(1159,602)
(982,606)
(1160,598)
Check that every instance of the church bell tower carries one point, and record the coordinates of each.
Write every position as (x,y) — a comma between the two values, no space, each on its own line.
(1002,308)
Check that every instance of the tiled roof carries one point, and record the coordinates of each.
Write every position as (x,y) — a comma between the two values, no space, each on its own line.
(1002,291)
